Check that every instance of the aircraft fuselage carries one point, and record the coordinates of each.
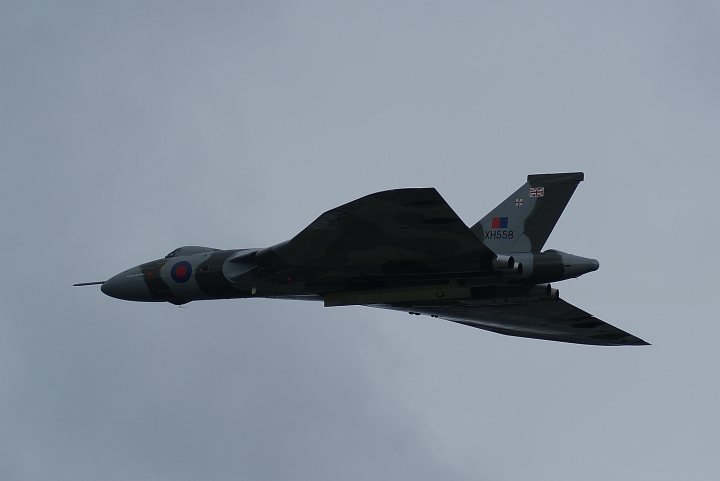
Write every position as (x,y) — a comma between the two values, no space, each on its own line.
(204,275)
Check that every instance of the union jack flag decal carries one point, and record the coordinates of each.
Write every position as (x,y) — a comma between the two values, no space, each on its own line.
(537,191)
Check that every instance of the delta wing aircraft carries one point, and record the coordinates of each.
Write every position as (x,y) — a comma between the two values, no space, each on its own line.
(405,250)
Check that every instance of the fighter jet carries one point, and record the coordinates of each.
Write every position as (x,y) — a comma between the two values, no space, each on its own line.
(405,250)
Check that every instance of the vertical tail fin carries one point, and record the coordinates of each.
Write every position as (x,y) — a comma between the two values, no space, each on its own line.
(523,221)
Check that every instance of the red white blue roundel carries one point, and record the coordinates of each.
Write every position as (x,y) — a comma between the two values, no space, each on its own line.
(181,271)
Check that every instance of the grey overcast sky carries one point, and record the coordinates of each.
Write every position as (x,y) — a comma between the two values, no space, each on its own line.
(130,128)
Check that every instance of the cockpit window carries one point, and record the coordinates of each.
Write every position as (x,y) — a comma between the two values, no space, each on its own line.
(189,250)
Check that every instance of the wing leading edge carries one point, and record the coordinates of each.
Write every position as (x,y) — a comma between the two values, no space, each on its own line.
(541,319)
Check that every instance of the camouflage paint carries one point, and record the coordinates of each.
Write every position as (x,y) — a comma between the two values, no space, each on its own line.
(404,249)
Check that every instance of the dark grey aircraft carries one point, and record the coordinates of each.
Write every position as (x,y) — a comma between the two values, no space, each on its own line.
(405,250)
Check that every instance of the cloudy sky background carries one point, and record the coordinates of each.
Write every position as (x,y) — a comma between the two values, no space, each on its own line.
(130,128)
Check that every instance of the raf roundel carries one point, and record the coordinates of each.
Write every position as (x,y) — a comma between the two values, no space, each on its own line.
(181,271)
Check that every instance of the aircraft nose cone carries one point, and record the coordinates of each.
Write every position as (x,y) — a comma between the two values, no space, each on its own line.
(594,265)
(129,286)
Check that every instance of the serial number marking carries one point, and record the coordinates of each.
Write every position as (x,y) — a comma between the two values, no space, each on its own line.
(499,234)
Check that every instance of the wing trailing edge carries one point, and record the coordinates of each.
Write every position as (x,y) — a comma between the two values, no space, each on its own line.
(549,319)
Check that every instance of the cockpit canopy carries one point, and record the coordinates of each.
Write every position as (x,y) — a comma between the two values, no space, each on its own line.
(189,250)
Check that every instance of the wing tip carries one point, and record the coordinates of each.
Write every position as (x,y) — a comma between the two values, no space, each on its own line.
(631,340)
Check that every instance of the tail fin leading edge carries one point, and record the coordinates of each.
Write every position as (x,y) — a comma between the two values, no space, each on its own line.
(523,221)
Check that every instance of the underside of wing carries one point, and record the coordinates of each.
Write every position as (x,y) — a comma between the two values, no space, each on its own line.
(403,230)
(539,319)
